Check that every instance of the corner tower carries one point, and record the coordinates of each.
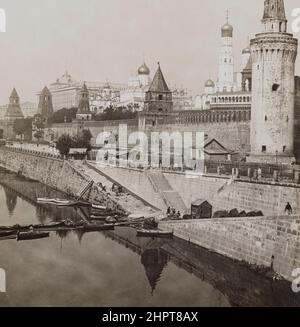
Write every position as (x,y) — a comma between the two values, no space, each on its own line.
(273,54)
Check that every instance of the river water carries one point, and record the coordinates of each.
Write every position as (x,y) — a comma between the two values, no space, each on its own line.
(116,268)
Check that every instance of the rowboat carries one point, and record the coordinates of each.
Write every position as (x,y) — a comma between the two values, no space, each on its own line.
(31,235)
(50,227)
(57,202)
(154,233)
(98,207)
(111,220)
(8,234)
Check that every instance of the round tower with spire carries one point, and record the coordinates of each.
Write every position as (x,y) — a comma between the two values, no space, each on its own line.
(273,54)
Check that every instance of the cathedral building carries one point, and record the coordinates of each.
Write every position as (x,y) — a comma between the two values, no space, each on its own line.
(232,89)
(133,96)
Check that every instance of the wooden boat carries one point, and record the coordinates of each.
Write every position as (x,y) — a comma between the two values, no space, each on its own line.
(57,202)
(32,235)
(111,220)
(98,207)
(97,228)
(154,233)
(8,234)
(50,227)
(150,223)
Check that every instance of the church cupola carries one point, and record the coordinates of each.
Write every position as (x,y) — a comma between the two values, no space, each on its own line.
(144,75)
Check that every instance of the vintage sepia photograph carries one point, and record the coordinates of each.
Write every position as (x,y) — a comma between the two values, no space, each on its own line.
(149,156)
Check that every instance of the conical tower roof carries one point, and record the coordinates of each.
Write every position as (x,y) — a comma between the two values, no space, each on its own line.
(274,9)
(45,107)
(14,94)
(14,110)
(159,83)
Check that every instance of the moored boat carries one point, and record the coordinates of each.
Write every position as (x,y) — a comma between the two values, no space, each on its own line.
(98,207)
(32,235)
(154,233)
(50,227)
(8,234)
(57,202)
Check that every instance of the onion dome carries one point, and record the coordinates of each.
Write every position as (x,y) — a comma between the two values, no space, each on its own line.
(246,50)
(209,83)
(227,30)
(144,70)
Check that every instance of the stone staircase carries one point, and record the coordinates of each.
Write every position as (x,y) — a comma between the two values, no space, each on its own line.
(161,185)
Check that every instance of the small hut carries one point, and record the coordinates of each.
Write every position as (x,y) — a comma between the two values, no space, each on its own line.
(201,209)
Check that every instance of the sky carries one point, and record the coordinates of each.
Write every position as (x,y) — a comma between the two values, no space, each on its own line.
(99,40)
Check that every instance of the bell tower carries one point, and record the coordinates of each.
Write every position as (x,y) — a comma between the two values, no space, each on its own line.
(226,59)
(273,54)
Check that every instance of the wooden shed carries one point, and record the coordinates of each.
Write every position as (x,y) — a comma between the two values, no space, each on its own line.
(201,209)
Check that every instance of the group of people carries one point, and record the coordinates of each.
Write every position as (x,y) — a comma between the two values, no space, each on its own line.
(171,212)
(118,189)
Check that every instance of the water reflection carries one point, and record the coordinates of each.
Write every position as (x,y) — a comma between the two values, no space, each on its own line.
(154,262)
(11,200)
(116,268)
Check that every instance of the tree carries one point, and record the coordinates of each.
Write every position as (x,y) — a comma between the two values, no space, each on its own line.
(64,144)
(112,113)
(83,140)
(62,116)
(38,127)
(23,127)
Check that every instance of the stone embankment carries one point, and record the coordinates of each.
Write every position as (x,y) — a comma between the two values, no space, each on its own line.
(270,242)
(59,174)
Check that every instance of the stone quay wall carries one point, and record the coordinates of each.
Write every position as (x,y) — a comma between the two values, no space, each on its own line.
(272,242)
(224,193)
(58,174)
